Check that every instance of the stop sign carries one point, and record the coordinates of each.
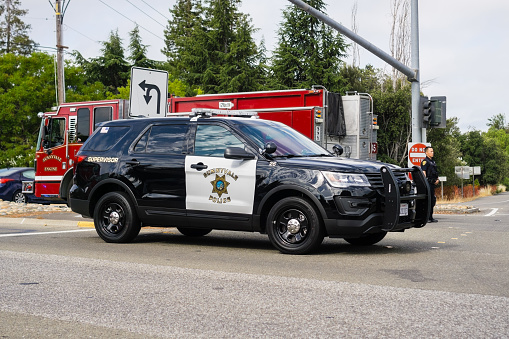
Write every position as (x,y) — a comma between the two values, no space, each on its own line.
(416,153)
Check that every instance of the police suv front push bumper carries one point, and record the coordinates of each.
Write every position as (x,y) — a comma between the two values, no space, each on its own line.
(401,204)
(417,201)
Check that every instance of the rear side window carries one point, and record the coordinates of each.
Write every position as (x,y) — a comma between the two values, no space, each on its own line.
(168,139)
(105,138)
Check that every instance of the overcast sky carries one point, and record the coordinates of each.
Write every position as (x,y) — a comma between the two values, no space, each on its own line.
(464,45)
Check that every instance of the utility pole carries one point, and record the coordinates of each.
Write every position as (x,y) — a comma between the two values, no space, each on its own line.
(59,14)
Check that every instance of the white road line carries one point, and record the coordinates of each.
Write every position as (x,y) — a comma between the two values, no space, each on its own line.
(493,211)
(41,233)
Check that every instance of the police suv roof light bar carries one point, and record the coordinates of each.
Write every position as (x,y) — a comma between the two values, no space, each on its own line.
(209,112)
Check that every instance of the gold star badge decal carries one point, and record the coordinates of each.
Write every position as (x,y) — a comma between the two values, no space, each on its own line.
(220,185)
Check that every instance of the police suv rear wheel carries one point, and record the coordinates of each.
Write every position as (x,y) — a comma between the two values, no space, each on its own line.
(194,232)
(115,219)
(367,240)
(294,227)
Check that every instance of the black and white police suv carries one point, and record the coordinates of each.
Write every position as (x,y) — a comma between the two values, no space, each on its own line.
(206,172)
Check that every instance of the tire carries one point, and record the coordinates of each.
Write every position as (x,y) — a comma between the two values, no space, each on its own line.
(294,226)
(194,232)
(19,197)
(367,240)
(115,219)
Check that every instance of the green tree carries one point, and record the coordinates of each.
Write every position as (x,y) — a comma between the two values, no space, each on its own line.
(138,56)
(26,88)
(211,47)
(497,122)
(308,51)
(13,31)
(446,144)
(480,150)
(111,68)
(184,40)
(393,108)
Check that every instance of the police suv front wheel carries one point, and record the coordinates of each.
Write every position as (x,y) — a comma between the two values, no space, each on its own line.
(294,227)
(115,219)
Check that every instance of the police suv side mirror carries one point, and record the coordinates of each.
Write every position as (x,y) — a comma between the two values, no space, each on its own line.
(270,148)
(237,153)
(338,150)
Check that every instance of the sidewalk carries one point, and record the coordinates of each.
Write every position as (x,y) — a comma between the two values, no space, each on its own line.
(49,215)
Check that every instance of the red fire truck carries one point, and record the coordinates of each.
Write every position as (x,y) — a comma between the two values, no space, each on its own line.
(325,117)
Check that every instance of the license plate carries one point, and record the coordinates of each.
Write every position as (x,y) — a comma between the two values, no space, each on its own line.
(403,210)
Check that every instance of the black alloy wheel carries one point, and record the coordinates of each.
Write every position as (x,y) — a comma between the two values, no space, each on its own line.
(294,226)
(115,219)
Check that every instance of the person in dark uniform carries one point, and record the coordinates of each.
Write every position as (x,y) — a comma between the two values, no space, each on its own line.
(429,168)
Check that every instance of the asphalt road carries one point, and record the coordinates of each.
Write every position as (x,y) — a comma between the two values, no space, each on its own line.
(446,280)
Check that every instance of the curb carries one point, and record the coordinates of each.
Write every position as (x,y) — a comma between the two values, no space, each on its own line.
(47,222)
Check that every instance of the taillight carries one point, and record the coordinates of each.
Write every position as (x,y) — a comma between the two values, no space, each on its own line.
(5,180)
(79,159)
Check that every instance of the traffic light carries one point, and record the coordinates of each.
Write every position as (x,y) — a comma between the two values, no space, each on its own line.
(426,109)
(433,112)
(438,118)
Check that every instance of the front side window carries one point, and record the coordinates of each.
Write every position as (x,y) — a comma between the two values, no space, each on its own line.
(212,140)
(289,142)
(55,133)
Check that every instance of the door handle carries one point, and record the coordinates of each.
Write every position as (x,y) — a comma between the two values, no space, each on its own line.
(199,166)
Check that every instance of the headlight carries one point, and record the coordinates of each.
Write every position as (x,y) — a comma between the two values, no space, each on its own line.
(344,180)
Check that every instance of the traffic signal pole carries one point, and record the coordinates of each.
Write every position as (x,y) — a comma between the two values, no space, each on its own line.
(411,73)
(418,133)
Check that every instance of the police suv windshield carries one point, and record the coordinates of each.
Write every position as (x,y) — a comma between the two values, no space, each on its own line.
(289,142)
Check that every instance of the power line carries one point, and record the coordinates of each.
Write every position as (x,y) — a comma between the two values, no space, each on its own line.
(145,13)
(146,3)
(67,26)
(134,22)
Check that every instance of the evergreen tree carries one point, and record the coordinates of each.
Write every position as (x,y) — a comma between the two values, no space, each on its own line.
(138,51)
(211,46)
(184,41)
(308,52)
(13,31)
(110,68)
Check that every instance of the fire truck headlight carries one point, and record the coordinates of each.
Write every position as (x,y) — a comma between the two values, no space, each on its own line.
(344,180)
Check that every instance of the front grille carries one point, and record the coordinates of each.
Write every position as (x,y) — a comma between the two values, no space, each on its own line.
(375,179)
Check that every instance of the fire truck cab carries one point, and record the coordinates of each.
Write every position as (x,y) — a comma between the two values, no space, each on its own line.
(61,135)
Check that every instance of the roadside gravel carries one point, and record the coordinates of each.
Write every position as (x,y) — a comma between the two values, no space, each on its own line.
(12,209)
